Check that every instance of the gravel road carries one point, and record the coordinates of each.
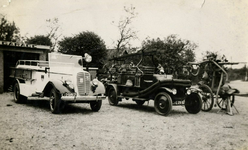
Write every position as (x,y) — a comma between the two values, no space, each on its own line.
(126,126)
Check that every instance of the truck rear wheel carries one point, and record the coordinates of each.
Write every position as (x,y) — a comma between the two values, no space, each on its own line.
(96,105)
(163,103)
(18,98)
(55,101)
(112,97)
(193,103)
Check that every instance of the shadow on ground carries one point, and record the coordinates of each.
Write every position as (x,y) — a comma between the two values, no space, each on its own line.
(150,109)
(68,109)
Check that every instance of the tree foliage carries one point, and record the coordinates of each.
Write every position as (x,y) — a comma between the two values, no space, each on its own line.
(8,31)
(39,40)
(173,51)
(126,32)
(84,42)
(233,74)
(238,74)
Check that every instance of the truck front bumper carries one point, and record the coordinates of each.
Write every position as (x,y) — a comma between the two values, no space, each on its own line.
(82,98)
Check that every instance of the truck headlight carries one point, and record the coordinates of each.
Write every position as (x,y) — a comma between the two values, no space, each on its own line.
(69,83)
(95,82)
(174,91)
(189,92)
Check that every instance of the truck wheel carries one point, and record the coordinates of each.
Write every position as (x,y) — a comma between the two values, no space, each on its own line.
(193,103)
(112,97)
(18,98)
(95,105)
(163,103)
(207,97)
(55,101)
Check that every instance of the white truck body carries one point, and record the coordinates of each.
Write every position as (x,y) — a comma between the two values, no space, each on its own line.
(62,72)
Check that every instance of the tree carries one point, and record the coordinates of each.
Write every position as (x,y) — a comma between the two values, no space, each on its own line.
(233,74)
(50,38)
(8,31)
(39,40)
(53,31)
(125,29)
(173,51)
(85,42)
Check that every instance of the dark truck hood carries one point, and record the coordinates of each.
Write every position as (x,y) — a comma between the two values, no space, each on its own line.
(171,82)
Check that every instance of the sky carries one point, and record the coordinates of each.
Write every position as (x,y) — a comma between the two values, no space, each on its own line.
(214,25)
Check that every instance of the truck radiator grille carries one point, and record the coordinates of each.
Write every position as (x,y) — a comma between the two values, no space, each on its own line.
(83,82)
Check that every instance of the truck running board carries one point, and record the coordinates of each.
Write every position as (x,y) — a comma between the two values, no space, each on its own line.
(38,98)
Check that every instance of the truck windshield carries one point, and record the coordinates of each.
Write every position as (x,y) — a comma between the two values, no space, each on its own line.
(64,60)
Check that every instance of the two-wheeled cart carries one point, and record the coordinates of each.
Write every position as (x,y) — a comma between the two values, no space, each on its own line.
(213,78)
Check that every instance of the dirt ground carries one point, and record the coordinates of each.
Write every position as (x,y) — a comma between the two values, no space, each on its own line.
(126,126)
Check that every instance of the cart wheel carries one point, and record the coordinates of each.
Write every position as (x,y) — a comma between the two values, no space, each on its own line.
(193,103)
(139,102)
(112,97)
(207,97)
(55,101)
(18,98)
(163,103)
(222,102)
(95,105)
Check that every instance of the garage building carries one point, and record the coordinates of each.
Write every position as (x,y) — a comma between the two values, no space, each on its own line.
(11,52)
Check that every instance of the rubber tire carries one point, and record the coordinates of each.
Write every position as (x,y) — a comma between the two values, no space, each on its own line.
(55,101)
(18,98)
(207,98)
(112,97)
(139,102)
(220,102)
(163,103)
(96,105)
(193,103)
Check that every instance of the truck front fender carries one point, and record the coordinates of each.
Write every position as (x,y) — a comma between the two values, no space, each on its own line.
(112,85)
(100,88)
(58,85)
(168,90)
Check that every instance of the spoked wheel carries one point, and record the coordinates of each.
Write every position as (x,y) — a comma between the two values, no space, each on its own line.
(112,97)
(163,103)
(96,105)
(193,103)
(55,101)
(139,102)
(222,102)
(18,98)
(207,97)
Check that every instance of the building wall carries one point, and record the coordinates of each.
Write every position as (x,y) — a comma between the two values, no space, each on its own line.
(1,72)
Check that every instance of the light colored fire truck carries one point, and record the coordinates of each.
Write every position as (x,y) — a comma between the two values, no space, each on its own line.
(61,80)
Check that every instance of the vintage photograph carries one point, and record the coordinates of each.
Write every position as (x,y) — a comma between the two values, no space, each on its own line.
(122,74)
